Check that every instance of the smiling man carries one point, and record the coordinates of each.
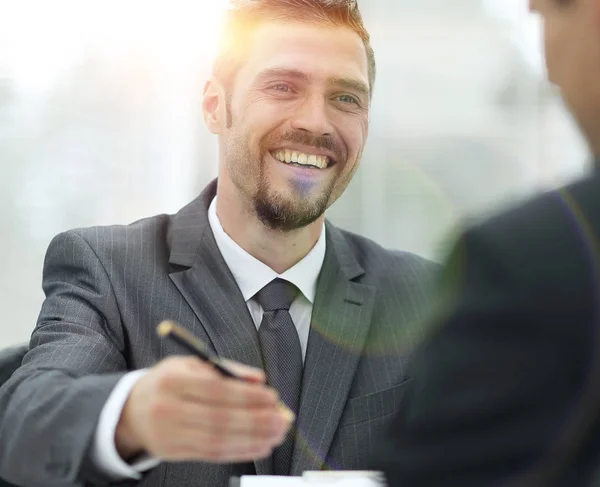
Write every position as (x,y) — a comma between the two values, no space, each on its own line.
(252,268)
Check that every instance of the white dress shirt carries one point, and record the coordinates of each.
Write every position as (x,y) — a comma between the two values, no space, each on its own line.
(251,276)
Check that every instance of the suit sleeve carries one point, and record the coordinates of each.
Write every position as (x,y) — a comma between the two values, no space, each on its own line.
(50,407)
(490,389)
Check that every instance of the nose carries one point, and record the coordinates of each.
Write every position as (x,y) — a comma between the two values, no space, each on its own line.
(311,116)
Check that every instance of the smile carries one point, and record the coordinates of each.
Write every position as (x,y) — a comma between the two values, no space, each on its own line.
(301,159)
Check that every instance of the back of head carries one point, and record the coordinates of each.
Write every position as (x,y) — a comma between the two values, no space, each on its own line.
(244,16)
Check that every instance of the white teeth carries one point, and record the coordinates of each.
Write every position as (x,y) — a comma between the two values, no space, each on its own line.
(300,158)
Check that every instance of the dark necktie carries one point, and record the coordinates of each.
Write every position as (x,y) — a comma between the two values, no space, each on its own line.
(282,357)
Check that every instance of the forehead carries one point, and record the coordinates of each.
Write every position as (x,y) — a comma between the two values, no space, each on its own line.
(319,51)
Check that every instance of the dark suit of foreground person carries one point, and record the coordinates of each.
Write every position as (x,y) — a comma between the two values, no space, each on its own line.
(506,389)
(289,101)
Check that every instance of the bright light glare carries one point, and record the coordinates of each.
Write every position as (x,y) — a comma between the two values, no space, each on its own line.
(527,29)
(40,39)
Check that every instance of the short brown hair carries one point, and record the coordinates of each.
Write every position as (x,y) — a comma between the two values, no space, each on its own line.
(244,16)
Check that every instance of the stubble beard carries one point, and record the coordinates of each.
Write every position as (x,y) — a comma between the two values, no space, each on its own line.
(277,211)
(273,209)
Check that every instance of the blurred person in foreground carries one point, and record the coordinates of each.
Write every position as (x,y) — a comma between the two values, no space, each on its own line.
(251,267)
(506,389)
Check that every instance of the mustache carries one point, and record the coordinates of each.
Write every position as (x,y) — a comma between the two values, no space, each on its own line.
(305,138)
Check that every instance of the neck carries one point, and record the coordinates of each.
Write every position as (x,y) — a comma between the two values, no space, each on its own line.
(276,249)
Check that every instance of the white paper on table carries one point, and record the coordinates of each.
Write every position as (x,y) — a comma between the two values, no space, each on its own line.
(345,478)
(271,481)
(324,481)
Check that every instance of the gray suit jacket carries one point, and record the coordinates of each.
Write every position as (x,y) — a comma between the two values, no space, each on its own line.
(10,360)
(108,287)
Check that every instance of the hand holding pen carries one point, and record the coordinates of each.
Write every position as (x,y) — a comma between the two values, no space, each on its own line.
(197,408)
(171,331)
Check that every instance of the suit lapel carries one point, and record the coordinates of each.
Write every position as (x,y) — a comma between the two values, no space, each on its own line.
(208,286)
(339,325)
(340,322)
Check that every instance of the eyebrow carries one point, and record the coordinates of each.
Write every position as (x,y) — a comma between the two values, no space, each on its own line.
(350,84)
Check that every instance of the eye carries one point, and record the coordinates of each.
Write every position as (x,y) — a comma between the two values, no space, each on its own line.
(282,87)
(348,99)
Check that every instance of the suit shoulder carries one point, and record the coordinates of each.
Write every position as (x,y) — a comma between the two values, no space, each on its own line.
(147,233)
(550,220)
(377,259)
(547,240)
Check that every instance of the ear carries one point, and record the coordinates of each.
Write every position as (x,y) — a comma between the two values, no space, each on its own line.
(213,106)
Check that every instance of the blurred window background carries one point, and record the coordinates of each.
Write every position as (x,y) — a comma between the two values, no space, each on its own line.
(100,123)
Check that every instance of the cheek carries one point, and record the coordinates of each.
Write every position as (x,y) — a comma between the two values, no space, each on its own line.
(568,61)
(355,139)
(263,125)
(556,52)
(550,58)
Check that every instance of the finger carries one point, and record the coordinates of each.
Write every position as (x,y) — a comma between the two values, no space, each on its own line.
(241,371)
(266,422)
(203,383)
(205,446)
(188,377)
(250,374)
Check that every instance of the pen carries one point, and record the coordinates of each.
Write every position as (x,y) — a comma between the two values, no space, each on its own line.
(172,331)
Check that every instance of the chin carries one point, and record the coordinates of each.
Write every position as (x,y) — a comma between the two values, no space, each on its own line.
(280,210)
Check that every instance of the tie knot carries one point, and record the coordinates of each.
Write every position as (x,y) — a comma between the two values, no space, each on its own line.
(276,295)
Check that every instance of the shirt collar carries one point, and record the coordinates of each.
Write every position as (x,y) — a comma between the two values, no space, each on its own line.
(251,275)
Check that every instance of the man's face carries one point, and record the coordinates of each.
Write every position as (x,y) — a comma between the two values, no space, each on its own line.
(299,119)
(572,52)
